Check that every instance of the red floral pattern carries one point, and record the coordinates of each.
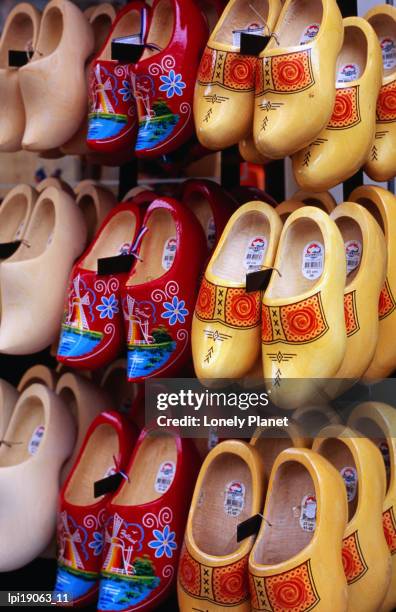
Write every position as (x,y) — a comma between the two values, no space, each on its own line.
(386,104)
(286,73)
(352,558)
(389,523)
(229,70)
(350,311)
(231,306)
(346,112)
(387,302)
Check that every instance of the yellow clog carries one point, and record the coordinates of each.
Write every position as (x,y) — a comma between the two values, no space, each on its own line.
(248,151)
(323,200)
(227,320)
(213,567)
(382,204)
(303,325)
(295,76)
(224,92)
(366,258)
(342,147)
(381,165)
(378,422)
(286,208)
(365,552)
(296,564)
(312,418)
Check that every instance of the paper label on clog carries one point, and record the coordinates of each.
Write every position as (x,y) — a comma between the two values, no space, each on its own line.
(211,233)
(388,48)
(254,29)
(308,513)
(313,260)
(124,248)
(348,72)
(234,498)
(350,477)
(36,439)
(169,253)
(110,472)
(384,448)
(310,32)
(353,254)
(165,476)
(255,253)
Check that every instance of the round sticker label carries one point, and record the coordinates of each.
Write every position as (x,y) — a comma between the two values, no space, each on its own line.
(388,48)
(36,439)
(313,260)
(169,253)
(350,477)
(310,32)
(234,500)
(165,476)
(255,253)
(348,73)
(353,254)
(308,513)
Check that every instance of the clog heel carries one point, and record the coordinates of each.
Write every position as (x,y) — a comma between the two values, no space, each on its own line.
(213,565)
(365,553)
(381,164)
(8,398)
(323,199)
(16,210)
(377,421)
(227,318)
(382,204)
(20,33)
(343,147)
(300,541)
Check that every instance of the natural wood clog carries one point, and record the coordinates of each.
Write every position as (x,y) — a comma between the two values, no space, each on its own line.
(8,398)
(38,374)
(95,203)
(15,213)
(323,200)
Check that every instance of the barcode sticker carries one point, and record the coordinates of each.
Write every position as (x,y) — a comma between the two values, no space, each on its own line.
(255,253)
(313,260)
(36,439)
(350,477)
(165,476)
(308,513)
(234,499)
(353,253)
(310,32)
(348,73)
(388,48)
(169,253)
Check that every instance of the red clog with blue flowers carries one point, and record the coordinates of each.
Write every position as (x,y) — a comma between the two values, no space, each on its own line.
(81,516)
(164,78)
(159,297)
(112,120)
(146,521)
(92,330)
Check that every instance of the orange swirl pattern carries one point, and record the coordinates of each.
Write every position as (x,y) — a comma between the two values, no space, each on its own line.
(230,583)
(189,573)
(389,523)
(346,112)
(292,591)
(386,104)
(231,306)
(266,327)
(387,302)
(352,558)
(350,312)
(206,66)
(287,73)
(229,70)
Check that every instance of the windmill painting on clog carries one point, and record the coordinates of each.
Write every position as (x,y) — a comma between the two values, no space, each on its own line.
(112,115)
(92,332)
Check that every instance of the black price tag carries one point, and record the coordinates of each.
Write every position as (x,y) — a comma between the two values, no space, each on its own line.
(115,265)
(8,248)
(258,281)
(107,485)
(17,59)
(252,44)
(126,52)
(249,527)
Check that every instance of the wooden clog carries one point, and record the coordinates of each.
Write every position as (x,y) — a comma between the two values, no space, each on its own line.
(128,398)
(323,200)
(95,203)
(38,374)
(249,152)
(8,398)
(58,183)
(286,208)
(15,213)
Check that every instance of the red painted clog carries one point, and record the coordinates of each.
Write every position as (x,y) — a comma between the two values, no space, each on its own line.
(159,297)
(146,521)
(106,450)
(164,78)
(92,330)
(211,205)
(112,120)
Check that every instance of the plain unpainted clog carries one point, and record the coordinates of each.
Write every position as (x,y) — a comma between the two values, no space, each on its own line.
(8,398)
(33,279)
(40,438)
(303,323)
(227,318)
(381,164)
(224,92)
(365,553)
(213,565)
(58,183)
(38,374)
(299,544)
(15,213)
(341,148)
(312,418)
(53,83)
(295,76)
(382,204)
(377,421)
(95,202)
